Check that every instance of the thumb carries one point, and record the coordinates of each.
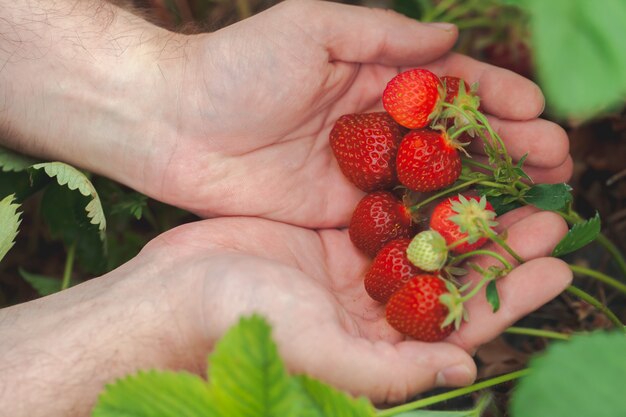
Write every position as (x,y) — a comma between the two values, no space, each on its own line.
(366,35)
(385,372)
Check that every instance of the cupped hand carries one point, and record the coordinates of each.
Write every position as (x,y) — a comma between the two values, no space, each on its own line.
(310,286)
(259,98)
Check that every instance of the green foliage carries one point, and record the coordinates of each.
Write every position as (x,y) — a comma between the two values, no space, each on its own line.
(322,400)
(246,378)
(157,394)
(582,377)
(9,224)
(253,382)
(43,284)
(66,217)
(14,162)
(549,196)
(578,236)
(492,296)
(579,54)
(69,176)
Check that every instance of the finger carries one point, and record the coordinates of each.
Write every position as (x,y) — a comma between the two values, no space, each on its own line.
(545,143)
(532,237)
(367,35)
(382,371)
(521,292)
(503,93)
(561,173)
(556,175)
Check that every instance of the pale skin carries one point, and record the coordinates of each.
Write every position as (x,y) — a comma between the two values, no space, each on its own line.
(235,123)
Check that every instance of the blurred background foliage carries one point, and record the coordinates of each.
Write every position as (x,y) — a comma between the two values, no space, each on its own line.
(574,49)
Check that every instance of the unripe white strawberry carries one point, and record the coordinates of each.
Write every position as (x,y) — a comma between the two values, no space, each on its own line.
(428,250)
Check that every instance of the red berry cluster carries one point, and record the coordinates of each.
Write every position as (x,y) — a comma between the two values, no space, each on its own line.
(412,147)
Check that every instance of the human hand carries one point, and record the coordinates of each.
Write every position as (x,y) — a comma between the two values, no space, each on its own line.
(168,306)
(310,286)
(266,92)
(236,122)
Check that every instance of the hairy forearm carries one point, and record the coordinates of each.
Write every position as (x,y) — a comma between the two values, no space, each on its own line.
(56,353)
(79,82)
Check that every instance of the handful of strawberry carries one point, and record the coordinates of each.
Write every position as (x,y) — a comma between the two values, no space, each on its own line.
(406,159)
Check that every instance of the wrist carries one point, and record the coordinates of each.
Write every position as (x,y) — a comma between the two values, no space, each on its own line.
(85,85)
(58,352)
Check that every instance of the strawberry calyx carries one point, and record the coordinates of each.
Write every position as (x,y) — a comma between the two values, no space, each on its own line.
(438,108)
(465,100)
(453,301)
(450,137)
(473,217)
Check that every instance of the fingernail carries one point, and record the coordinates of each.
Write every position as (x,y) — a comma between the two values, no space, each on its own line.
(441,25)
(456,375)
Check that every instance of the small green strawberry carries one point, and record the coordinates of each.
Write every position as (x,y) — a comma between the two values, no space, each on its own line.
(428,251)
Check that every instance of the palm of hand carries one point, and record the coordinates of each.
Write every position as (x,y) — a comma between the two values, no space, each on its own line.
(273,149)
(309,285)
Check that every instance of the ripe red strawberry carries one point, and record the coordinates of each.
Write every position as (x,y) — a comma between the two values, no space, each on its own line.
(428,160)
(463,217)
(412,97)
(416,310)
(365,146)
(452,87)
(390,271)
(379,218)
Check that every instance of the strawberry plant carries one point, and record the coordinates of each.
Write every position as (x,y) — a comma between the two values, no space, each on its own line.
(527,36)
(246,377)
(83,217)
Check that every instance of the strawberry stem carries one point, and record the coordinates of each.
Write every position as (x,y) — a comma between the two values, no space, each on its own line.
(444,193)
(537,333)
(494,136)
(435,399)
(459,258)
(458,132)
(588,298)
(477,287)
(604,278)
(502,243)
(469,161)
(458,243)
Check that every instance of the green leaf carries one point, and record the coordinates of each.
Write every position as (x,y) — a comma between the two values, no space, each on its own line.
(9,224)
(156,394)
(549,196)
(323,400)
(579,54)
(64,212)
(44,285)
(492,296)
(477,411)
(69,176)
(11,161)
(430,413)
(247,375)
(132,203)
(502,203)
(580,235)
(582,377)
